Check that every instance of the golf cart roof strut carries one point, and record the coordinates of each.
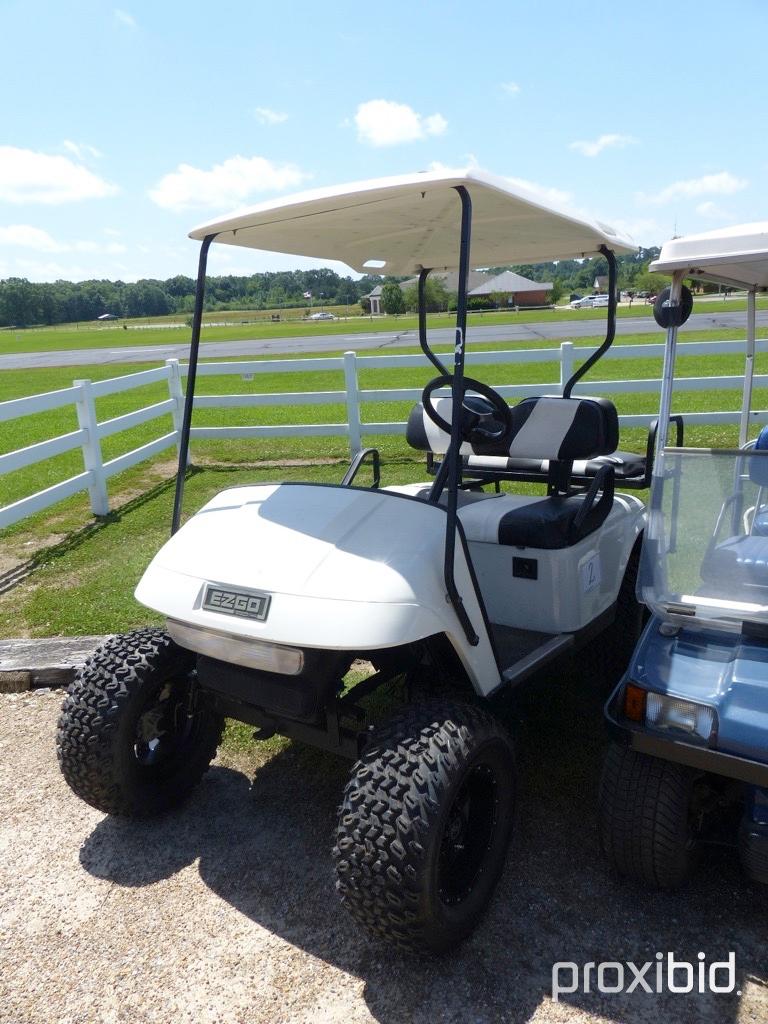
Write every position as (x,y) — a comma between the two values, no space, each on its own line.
(186,423)
(610,331)
(423,275)
(453,457)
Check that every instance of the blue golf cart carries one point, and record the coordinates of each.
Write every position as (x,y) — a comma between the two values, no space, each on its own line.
(688,759)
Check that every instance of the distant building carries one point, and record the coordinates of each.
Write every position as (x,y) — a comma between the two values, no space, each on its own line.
(601,284)
(450,279)
(518,290)
(374,298)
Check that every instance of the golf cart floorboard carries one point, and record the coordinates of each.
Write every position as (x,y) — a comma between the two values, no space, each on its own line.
(523,651)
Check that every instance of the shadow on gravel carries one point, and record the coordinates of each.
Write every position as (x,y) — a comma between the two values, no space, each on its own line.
(263,846)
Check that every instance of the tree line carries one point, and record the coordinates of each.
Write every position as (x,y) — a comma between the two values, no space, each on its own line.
(24,303)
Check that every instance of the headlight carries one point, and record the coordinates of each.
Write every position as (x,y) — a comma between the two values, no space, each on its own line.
(668,714)
(674,715)
(287,661)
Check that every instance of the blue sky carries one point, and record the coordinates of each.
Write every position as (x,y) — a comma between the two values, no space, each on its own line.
(124,127)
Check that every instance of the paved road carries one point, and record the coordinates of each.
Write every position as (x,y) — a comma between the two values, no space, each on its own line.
(556,330)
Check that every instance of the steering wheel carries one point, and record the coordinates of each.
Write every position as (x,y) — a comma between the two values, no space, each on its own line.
(485,420)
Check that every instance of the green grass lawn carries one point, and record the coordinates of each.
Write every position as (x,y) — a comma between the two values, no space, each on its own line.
(80,586)
(136,333)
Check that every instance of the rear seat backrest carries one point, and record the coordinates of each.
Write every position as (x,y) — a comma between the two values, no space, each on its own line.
(550,427)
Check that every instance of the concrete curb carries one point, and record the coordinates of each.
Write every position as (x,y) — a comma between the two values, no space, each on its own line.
(52,661)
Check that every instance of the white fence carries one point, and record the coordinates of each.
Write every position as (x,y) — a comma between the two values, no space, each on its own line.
(90,432)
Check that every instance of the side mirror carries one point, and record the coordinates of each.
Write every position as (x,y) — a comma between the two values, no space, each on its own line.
(672,316)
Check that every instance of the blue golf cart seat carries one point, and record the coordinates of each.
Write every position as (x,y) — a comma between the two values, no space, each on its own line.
(745,558)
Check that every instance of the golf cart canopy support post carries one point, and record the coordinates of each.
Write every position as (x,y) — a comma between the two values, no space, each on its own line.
(667,377)
(423,275)
(610,330)
(457,399)
(186,423)
(749,367)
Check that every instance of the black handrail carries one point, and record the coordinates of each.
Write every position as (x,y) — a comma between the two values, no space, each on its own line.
(357,462)
(423,275)
(610,330)
(186,423)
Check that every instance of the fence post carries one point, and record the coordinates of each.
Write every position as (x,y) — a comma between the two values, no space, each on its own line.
(353,403)
(176,392)
(86,419)
(566,363)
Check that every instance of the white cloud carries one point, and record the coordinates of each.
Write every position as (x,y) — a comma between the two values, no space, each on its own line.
(25,236)
(266,116)
(226,184)
(27,176)
(124,17)
(724,184)
(610,141)
(81,149)
(510,88)
(384,123)
(712,211)
(644,231)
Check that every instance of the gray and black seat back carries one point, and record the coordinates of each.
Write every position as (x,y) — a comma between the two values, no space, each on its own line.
(547,430)
(593,428)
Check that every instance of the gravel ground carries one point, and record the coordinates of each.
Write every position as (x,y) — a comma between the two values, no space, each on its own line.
(224,911)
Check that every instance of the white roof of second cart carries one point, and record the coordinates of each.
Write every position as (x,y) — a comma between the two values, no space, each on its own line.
(735,256)
(400,224)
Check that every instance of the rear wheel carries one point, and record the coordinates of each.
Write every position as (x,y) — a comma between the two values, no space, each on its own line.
(425,824)
(647,817)
(132,739)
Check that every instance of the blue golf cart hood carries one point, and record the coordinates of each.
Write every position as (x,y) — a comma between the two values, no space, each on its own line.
(727,671)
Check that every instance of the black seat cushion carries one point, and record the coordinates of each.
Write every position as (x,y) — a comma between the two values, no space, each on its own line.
(550,523)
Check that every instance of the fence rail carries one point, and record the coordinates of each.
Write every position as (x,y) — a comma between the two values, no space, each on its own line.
(90,433)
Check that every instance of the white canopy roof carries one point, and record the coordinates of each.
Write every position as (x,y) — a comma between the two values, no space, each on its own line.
(734,256)
(412,221)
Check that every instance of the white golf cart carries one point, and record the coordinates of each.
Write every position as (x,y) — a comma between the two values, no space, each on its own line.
(689,721)
(271,592)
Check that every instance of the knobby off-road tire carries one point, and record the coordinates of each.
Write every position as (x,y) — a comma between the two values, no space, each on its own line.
(425,824)
(129,741)
(645,824)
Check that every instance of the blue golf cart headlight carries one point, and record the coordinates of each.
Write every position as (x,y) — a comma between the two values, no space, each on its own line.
(671,714)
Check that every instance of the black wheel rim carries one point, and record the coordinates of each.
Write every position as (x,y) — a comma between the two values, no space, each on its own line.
(167,727)
(468,834)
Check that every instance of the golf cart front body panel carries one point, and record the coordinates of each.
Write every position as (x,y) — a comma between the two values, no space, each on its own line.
(345,569)
(553,590)
(723,671)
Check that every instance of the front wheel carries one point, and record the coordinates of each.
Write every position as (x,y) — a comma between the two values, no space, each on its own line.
(647,818)
(425,824)
(132,738)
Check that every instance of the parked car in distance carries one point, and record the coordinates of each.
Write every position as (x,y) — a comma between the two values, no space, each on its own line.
(590,302)
(321,316)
